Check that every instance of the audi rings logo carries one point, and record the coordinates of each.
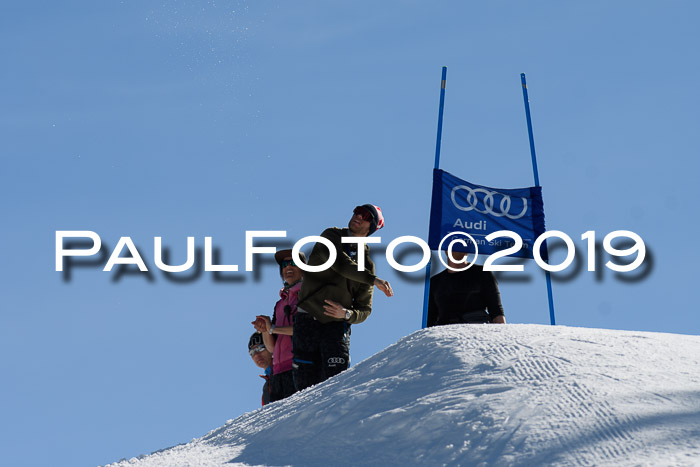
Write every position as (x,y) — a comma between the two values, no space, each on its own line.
(489,199)
(336,361)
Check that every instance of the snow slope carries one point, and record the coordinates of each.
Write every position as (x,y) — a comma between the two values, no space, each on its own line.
(481,395)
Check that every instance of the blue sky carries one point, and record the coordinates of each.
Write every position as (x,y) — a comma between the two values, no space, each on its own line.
(179,119)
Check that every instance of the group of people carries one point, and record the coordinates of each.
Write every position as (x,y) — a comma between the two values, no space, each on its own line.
(307,338)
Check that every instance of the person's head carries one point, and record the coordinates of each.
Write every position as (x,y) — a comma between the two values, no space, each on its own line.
(366,220)
(289,271)
(460,260)
(256,348)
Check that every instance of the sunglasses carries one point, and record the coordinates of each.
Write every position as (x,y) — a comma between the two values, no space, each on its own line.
(364,213)
(287,262)
(257,349)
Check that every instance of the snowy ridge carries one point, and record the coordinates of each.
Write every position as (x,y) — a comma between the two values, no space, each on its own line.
(481,395)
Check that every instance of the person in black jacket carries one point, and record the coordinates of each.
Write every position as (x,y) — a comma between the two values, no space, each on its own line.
(469,296)
(263,359)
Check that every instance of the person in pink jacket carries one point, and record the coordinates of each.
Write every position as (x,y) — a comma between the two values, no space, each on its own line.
(277,331)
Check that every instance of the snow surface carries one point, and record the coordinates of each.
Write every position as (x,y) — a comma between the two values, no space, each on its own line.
(481,395)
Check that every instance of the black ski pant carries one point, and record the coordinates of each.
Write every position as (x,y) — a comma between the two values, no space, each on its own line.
(320,350)
(281,386)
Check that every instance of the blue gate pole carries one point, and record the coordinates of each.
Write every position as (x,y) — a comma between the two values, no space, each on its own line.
(537,183)
(426,291)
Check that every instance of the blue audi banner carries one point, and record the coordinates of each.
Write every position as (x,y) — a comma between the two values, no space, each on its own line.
(460,206)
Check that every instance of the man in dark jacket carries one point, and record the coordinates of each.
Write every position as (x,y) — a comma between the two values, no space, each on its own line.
(464,296)
(331,300)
